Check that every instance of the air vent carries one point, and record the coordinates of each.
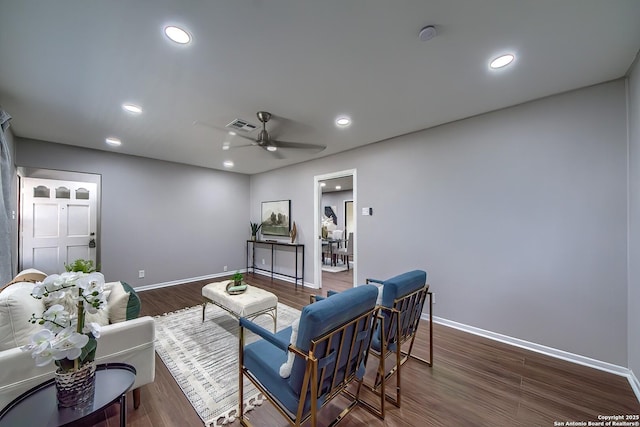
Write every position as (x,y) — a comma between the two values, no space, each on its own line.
(242,126)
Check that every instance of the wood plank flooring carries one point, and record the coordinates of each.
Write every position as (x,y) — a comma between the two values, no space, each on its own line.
(474,381)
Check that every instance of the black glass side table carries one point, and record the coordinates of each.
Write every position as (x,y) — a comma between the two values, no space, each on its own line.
(39,407)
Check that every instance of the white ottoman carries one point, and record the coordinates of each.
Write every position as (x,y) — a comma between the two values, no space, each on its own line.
(251,303)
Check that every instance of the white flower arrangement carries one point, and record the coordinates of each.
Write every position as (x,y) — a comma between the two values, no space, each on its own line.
(65,339)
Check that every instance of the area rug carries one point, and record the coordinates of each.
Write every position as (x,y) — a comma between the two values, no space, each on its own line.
(203,358)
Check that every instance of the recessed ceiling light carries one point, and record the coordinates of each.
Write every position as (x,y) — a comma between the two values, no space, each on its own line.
(338,187)
(232,133)
(228,164)
(322,184)
(226,145)
(113,141)
(272,148)
(178,35)
(132,108)
(343,121)
(502,61)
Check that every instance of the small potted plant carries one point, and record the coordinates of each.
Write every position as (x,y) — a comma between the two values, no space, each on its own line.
(237,279)
(235,286)
(82,266)
(255,227)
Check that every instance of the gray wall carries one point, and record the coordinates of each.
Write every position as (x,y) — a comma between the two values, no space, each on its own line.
(634,219)
(519,216)
(171,220)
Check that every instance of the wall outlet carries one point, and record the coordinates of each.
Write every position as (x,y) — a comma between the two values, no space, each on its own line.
(225,268)
(140,274)
(262,261)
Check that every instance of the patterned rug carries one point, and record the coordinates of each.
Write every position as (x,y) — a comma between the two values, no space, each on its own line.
(203,358)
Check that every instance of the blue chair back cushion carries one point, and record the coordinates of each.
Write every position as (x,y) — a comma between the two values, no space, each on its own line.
(323,316)
(401,285)
(395,288)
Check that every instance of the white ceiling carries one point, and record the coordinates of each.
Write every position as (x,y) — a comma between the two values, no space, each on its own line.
(67,66)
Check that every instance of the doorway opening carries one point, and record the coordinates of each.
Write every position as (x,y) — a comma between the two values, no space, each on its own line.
(335,201)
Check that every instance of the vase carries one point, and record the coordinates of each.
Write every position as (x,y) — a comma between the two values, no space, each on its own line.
(75,389)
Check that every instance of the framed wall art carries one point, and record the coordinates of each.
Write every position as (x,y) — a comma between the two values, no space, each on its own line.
(276,218)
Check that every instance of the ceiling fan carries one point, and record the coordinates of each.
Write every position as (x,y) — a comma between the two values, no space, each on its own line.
(273,146)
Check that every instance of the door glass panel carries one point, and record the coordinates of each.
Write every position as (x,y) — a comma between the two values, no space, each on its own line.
(41,191)
(82,194)
(63,193)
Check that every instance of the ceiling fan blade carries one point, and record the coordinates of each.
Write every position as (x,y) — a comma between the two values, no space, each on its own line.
(233,147)
(300,145)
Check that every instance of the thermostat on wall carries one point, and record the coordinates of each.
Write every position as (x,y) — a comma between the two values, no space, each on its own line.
(367,211)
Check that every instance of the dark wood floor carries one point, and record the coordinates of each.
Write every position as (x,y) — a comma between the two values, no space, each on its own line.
(474,381)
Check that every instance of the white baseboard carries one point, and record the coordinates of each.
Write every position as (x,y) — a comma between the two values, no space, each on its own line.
(214,276)
(635,384)
(179,282)
(548,351)
(284,278)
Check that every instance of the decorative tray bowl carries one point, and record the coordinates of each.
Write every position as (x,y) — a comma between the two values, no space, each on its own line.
(232,289)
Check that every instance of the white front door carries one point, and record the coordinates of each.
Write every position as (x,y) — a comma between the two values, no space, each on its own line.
(59,223)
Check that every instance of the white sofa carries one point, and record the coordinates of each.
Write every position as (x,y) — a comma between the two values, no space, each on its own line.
(128,341)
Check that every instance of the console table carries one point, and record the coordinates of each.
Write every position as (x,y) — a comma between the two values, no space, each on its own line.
(275,245)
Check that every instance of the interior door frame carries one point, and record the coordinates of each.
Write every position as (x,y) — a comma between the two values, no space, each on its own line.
(317,206)
(353,214)
(25,172)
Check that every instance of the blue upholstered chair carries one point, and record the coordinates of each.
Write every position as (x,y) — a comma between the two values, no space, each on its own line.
(401,306)
(332,342)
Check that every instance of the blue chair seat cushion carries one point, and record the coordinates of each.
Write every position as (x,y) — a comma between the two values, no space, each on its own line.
(263,360)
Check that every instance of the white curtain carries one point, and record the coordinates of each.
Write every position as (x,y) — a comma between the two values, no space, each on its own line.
(6,174)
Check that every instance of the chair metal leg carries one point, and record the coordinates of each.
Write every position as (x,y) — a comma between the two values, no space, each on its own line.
(401,358)
(240,414)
